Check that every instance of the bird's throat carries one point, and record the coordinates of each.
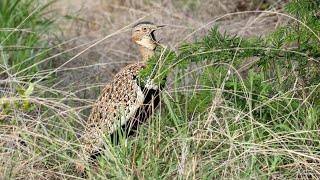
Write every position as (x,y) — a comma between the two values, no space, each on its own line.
(146,53)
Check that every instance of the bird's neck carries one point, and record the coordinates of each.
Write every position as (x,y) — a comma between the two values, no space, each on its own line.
(146,53)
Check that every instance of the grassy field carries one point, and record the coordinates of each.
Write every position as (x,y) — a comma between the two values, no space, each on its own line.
(241,100)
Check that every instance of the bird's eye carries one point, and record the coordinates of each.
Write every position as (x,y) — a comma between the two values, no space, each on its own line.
(144,29)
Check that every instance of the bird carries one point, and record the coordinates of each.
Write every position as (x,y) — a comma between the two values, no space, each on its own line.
(124,103)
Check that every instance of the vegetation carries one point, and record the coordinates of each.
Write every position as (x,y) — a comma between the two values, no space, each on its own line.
(23,24)
(220,118)
(22,47)
(267,120)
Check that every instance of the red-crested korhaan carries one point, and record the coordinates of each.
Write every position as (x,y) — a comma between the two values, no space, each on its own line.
(123,103)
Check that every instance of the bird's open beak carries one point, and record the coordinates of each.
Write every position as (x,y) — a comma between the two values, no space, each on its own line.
(152,32)
(152,36)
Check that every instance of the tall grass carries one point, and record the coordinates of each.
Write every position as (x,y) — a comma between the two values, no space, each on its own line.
(29,109)
(217,119)
(23,24)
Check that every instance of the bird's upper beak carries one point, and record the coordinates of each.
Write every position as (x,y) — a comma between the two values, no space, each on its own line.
(160,26)
(154,29)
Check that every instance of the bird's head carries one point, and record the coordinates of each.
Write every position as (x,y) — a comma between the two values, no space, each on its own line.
(143,35)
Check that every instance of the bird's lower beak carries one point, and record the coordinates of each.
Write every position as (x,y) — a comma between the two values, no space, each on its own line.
(152,36)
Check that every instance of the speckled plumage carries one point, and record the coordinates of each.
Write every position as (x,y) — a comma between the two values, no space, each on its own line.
(123,103)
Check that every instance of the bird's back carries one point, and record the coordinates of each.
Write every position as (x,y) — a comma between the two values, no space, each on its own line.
(119,100)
